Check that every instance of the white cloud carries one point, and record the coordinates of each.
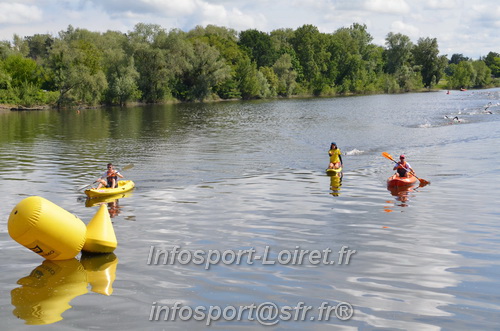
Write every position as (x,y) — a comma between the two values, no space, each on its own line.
(387,6)
(152,7)
(170,8)
(228,17)
(312,4)
(406,29)
(182,13)
(442,4)
(128,15)
(16,13)
(486,13)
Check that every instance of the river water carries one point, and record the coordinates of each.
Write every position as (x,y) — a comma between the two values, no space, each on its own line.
(242,176)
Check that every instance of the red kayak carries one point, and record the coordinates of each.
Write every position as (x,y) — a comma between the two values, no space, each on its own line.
(395,180)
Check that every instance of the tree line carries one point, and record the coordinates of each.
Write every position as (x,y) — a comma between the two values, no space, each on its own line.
(149,64)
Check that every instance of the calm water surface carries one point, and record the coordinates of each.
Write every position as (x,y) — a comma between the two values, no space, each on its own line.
(236,176)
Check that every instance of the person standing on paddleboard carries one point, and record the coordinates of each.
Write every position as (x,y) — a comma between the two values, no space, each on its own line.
(335,156)
(403,167)
(109,178)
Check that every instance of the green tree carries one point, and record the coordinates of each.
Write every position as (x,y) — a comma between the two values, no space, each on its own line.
(398,51)
(425,55)
(286,75)
(122,78)
(271,79)
(311,49)
(5,78)
(77,72)
(346,62)
(361,38)
(457,58)
(265,87)
(150,61)
(154,76)
(281,39)
(259,47)
(495,67)
(23,71)
(207,70)
(407,78)
(350,51)
(20,46)
(248,81)
(483,74)
(463,76)
(282,42)
(119,69)
(5,50)
(225,41)
(39,46)
(492,60)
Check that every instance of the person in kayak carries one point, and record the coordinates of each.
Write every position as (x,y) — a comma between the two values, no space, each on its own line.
(403,167)
(109,178)
(335,156)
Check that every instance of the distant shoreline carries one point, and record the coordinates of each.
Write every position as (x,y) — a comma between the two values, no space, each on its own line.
(10,107)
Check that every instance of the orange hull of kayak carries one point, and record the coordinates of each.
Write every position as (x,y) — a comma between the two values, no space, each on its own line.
(395,181)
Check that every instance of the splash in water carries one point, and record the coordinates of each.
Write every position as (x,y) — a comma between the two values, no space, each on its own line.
(425,125)
(354,152)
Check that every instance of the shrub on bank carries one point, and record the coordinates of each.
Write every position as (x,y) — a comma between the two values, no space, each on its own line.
(8,97)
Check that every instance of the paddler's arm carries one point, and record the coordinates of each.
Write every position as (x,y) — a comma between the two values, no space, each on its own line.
(410,168)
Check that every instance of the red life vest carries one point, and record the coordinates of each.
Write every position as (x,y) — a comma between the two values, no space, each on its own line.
(402,165)
(111,173)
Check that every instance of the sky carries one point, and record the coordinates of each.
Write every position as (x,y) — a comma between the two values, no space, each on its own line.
(463,27)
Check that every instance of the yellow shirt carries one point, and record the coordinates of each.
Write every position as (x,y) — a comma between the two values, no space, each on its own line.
(334,155)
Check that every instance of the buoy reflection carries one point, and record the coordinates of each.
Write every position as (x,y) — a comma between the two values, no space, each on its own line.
(101,271)
(47,291)
(45,294)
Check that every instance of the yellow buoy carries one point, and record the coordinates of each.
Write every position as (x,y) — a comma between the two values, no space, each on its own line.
(46,229)
(46,293)
(101,271)
(100,234)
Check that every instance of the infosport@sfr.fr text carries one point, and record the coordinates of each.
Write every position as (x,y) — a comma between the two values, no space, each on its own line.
(210,257)
(267,313)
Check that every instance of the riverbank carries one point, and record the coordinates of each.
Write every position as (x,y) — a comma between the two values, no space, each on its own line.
(8,107)
(4,108)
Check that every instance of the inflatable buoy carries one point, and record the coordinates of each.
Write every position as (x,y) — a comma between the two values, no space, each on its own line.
(100,234)
(46,293)
(46,229)
(101,271)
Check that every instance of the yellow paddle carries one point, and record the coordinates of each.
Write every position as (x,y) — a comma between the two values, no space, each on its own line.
(127,167)
(86,185)
(422,181)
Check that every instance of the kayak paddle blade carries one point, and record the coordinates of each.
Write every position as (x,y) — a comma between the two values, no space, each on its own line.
(128,167)
(388,156)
